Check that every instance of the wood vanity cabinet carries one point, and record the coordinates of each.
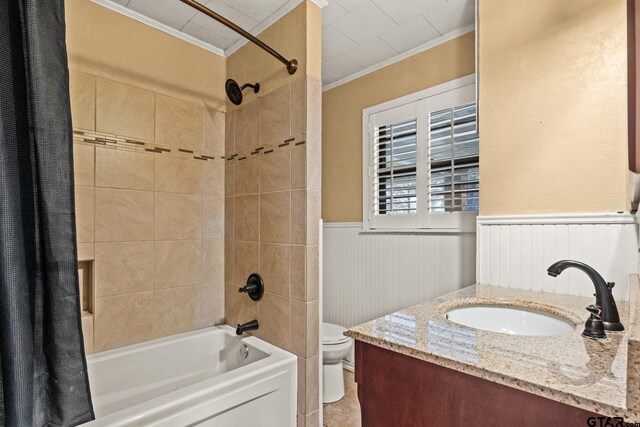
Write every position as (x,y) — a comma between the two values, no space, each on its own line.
(397,390)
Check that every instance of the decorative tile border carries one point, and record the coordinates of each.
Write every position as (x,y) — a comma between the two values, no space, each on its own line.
(287,144)
(128,144)
(105,140)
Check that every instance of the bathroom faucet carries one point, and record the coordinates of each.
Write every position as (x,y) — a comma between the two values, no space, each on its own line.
(604,296)
(249,326)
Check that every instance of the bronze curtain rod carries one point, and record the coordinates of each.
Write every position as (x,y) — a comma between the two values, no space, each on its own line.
(292,65)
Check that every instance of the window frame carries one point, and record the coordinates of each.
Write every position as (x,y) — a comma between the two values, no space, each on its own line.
(423,220)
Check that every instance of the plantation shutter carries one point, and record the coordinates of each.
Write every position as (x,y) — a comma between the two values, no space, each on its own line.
(421,160)
(393,168)
(453,183)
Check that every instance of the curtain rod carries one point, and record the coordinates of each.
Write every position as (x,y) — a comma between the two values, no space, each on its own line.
(292,65)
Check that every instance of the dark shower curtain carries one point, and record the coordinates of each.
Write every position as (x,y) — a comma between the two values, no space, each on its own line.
(43,370)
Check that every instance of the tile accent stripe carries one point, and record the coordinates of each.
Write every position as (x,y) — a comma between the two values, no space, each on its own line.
(117,142)
(267,149)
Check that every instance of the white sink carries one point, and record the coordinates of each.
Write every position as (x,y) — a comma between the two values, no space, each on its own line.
(510,320)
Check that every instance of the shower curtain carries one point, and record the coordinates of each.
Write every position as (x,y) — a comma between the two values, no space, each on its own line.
(43,370)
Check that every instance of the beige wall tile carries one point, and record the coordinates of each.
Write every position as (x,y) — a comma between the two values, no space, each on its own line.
(309,420)
(246,217)
(229,180)
(247,177)
(123,268)
(314,201)
(177,216)
(238,307)
(178,123)
(304,328)
(274,268)
(275,172)
(275,217)
(124,169)
(87,333)
(228,260)
(176,310)
(124,110)
(247,129)
(177,174)
(299,217)
(228,217)
(176,263)
(299,167)
(213,178)
(298,108)
(275,320)
(308,386)
(312,389)
(214,132)
(82,90)
(123,215)
(85,251)
(229,134)
(314,134)
(85,226)
(83,164)
(245,261)
(275,116)
(212,304)
(213,261)
(313,274)
(299,272)
(122,320)
(212,217)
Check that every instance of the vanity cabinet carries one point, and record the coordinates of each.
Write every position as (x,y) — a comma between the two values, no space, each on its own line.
(398,390)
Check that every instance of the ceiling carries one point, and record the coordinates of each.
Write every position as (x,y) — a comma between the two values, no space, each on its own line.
(356,34)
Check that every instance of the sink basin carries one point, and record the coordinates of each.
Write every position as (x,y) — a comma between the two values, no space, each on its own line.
(510,320)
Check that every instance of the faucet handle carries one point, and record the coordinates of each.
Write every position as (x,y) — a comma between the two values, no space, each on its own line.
(610,285)
(596,311)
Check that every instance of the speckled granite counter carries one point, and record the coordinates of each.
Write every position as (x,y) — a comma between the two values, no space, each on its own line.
(588,374)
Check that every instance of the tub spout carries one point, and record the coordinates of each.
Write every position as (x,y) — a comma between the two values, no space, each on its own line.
(249,326)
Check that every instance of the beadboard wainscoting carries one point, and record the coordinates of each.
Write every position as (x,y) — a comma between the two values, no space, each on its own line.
(515,251)
(367,275)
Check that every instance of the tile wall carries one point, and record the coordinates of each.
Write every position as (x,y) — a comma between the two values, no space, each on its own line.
(272,213)
(149,178)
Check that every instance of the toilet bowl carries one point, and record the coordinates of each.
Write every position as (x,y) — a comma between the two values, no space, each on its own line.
(335,347)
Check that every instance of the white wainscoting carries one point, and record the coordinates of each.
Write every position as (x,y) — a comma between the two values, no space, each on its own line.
(516,251)
(369,275)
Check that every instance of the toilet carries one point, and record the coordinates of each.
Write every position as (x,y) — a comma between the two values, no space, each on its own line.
(335,347)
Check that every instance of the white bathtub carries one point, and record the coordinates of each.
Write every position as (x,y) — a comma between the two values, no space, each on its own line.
(196,378)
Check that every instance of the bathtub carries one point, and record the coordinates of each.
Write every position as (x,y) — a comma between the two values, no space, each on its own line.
(209,377)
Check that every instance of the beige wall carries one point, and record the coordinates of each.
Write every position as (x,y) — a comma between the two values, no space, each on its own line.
(107,44)
(273,196)
(553,99)
(251,64)
(342,117)
(150,224)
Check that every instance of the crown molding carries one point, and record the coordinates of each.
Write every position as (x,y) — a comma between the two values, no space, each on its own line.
(426,46)
(159,26)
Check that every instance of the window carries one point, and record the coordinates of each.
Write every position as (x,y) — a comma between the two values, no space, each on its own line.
(421,159)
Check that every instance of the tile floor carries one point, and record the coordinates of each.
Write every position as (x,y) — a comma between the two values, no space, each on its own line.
(346,411)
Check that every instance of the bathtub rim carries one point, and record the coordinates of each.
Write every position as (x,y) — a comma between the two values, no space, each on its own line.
(277,360)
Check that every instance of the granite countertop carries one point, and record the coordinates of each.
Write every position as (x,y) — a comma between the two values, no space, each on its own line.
(589,374)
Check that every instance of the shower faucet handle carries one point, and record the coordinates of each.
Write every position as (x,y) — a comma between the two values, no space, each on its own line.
(254,287)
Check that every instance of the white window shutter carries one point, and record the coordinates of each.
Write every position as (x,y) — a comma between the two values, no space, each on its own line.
(394,163)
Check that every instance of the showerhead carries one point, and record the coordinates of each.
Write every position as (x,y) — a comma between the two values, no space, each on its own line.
(234,91)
